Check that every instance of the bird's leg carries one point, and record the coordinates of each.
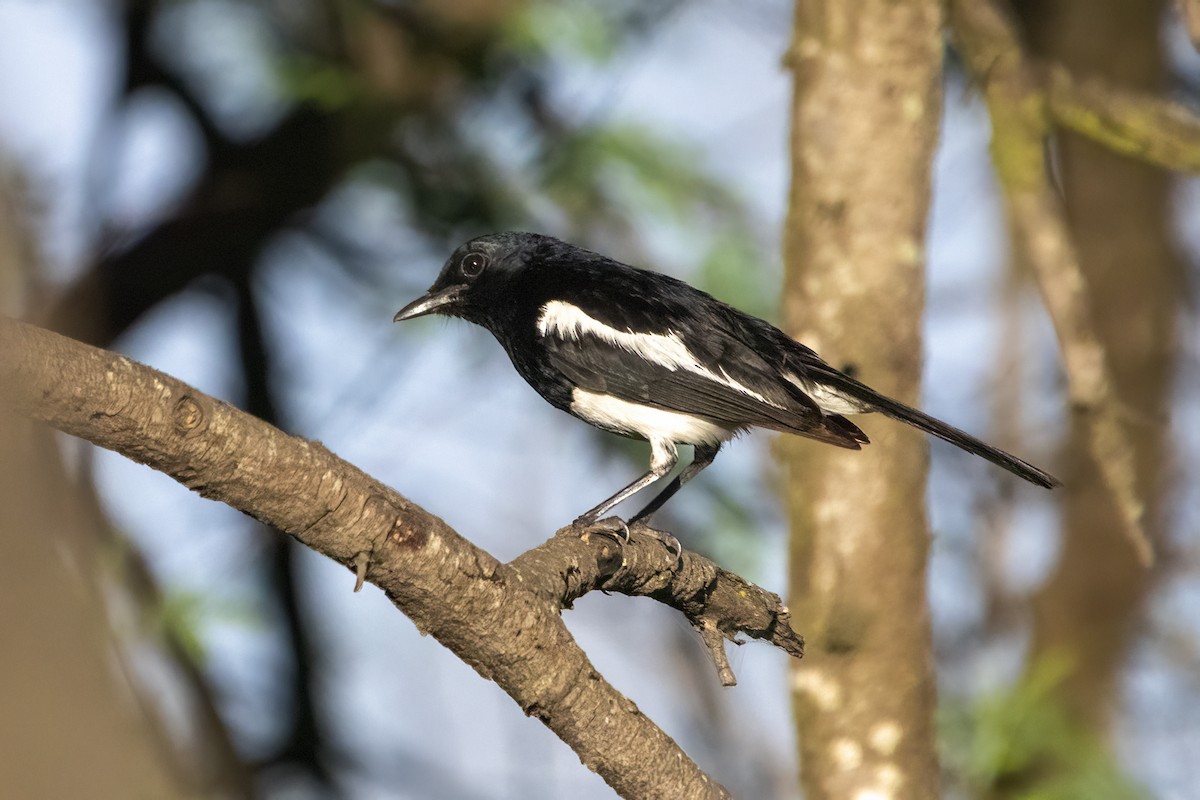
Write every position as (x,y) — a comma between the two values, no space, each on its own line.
(703,456)
(664,457)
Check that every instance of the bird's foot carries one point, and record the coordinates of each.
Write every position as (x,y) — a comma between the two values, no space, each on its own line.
(617,529)
(612,527)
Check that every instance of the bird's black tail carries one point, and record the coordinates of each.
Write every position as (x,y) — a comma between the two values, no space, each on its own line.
(919,419)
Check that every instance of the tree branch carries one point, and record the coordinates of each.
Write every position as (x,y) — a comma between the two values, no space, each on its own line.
(1018,106)
(1132,123)
(718,603)
(501,619)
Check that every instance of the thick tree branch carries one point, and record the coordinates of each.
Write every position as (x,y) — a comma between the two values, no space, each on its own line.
(1017,102)
(1132,123)
(501,619)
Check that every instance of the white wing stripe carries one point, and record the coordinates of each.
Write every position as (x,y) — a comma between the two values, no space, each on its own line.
(667,350)
(828,400)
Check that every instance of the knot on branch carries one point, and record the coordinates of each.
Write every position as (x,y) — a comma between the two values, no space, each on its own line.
(406,536)
(187,415)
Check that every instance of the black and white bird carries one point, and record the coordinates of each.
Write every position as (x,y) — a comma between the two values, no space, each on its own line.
(648,356)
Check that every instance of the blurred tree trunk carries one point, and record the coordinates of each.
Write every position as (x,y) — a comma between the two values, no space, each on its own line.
(865,124)
(70,725)
(1119,212)
(80,619)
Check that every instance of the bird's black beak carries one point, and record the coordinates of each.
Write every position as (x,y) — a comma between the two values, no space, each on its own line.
(429,303)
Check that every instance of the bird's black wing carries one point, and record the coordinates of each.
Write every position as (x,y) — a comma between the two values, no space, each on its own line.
(679,353)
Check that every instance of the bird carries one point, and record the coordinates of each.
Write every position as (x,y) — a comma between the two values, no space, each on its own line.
(647,356)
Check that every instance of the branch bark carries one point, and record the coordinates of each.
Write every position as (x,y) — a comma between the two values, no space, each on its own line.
(501,619)
(1017,103)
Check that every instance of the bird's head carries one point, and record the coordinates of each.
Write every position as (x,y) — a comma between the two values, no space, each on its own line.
(478,279)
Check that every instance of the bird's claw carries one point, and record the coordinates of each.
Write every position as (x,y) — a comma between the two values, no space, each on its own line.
(612,527)
(670,542)
(617,529)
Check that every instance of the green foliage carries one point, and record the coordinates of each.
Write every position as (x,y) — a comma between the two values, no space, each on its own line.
(182,615)
(579,28)
(663,182)
(657,174)
(174,616)
(1020,743)
(325,84)
(179,618)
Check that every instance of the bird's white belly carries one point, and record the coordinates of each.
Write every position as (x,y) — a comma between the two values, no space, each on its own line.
(653,424)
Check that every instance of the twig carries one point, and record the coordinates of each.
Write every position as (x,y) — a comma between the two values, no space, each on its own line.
(1017,102)
(362,560)
(714,641)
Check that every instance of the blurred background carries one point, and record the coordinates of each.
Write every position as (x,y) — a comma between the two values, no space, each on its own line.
(242,192)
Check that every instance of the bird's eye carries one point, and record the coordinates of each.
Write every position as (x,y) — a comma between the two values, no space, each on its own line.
(473,264)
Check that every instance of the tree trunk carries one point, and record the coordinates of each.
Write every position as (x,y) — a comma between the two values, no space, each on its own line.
(1119,212)
(69,724)
(865,124)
